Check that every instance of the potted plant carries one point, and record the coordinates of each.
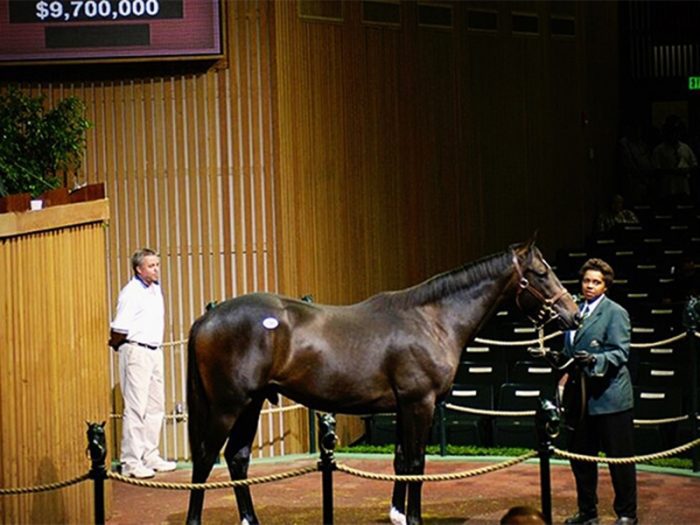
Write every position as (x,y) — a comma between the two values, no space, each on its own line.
(37,144)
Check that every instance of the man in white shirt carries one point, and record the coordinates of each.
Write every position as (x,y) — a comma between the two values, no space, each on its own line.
(137,334)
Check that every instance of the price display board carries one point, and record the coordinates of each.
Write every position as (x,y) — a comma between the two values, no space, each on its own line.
(49,31)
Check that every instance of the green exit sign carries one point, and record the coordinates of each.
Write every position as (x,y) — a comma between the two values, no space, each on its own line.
(694,83)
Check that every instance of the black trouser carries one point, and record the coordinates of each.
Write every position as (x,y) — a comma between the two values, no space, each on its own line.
(614,435)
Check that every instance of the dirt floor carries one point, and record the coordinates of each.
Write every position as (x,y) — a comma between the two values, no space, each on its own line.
(665,496)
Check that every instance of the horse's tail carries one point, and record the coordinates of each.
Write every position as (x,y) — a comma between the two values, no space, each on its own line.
(197,405)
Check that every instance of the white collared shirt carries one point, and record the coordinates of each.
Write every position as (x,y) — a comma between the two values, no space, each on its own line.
(591,307)
(140,313)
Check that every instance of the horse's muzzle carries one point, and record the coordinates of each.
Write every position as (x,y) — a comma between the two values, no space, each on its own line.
(570,322)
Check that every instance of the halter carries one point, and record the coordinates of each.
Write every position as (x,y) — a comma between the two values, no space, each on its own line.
(546,313)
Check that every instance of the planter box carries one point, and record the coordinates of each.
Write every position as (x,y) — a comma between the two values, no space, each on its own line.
(90,192)
(16,202)
(54,197)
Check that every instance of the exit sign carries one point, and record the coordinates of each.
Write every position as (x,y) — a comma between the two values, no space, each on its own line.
(694,83)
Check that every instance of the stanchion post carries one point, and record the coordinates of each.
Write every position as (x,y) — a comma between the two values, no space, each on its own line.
(97,448)
(312,431)
(547,428)
(691,317)
(326,442)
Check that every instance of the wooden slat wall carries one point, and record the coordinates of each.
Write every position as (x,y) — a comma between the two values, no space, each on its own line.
(188,160)
(408,150)
(53,371)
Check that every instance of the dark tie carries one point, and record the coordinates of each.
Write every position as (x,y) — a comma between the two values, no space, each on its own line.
(586,311)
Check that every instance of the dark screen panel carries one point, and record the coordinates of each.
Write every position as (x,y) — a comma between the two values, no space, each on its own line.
(69,31)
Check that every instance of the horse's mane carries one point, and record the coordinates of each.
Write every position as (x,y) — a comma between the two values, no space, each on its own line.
(448,283)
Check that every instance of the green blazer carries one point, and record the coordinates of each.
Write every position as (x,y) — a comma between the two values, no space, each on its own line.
(605,334)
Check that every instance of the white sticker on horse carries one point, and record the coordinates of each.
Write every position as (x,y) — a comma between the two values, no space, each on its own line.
(270,323)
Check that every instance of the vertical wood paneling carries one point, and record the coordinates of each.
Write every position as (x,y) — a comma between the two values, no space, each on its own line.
(187,162)
(53,368)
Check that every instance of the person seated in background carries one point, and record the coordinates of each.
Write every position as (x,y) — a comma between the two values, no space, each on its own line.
(686,281)
(617,214)
(523,515)
(674,161)
(634,157)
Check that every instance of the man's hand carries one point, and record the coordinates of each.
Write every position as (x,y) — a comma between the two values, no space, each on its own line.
(116,339)
(584,358)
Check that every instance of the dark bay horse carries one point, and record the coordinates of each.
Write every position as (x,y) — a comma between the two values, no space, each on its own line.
(394,352)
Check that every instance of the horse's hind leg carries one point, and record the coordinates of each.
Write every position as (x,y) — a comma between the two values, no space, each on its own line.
(237,456)
(204,453)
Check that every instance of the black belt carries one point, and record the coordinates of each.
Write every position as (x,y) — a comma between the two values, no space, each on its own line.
(150,347)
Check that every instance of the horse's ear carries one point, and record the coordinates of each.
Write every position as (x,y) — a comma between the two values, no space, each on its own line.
(533,239)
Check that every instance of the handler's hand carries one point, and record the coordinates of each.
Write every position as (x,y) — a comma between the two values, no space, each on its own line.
(584,358)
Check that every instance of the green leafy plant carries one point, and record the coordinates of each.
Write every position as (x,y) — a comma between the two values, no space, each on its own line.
(38,144)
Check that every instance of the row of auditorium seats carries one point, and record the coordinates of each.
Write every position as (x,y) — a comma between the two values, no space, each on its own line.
(648,259)
(518,430)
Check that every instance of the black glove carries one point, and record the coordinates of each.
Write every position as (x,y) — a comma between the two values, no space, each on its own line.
(584,358)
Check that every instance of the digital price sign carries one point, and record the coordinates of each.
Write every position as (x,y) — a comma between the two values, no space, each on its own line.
(49,31)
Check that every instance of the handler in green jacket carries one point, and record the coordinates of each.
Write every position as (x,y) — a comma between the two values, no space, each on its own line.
(600,347)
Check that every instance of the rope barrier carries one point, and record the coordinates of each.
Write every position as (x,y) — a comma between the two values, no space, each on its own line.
(662,342)
(496,342)
(485,412)
(661,421)
(632,459)
(517,343)
(524,413)
(348,470)
(44,488)
(529,342)
(211,485)
(435,477)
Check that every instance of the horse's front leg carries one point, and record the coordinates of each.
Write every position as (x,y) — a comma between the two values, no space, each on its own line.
(237,454)
(416,421)
(397,514)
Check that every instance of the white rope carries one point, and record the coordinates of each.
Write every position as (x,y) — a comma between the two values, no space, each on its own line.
(485,412)
(660,421)
(516,343)
(525,413)
(657,343)
(276,410)
(526,342)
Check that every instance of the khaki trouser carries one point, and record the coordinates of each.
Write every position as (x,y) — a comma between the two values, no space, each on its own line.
(141,376)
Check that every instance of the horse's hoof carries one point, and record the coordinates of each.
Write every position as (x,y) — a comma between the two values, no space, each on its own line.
(396,517)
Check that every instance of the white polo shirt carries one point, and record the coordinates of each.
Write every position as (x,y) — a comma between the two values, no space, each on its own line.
(140,313)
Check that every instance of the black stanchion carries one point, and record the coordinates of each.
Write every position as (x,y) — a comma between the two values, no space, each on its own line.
(327,441)
(97,448)
(547,427)
(691,320)
(312,431)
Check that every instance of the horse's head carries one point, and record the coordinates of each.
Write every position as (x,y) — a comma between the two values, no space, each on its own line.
(539,293)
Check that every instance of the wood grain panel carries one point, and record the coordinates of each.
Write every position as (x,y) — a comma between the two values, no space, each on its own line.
(53,367)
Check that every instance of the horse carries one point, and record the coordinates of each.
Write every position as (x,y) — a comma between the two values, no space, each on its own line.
(396,352)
